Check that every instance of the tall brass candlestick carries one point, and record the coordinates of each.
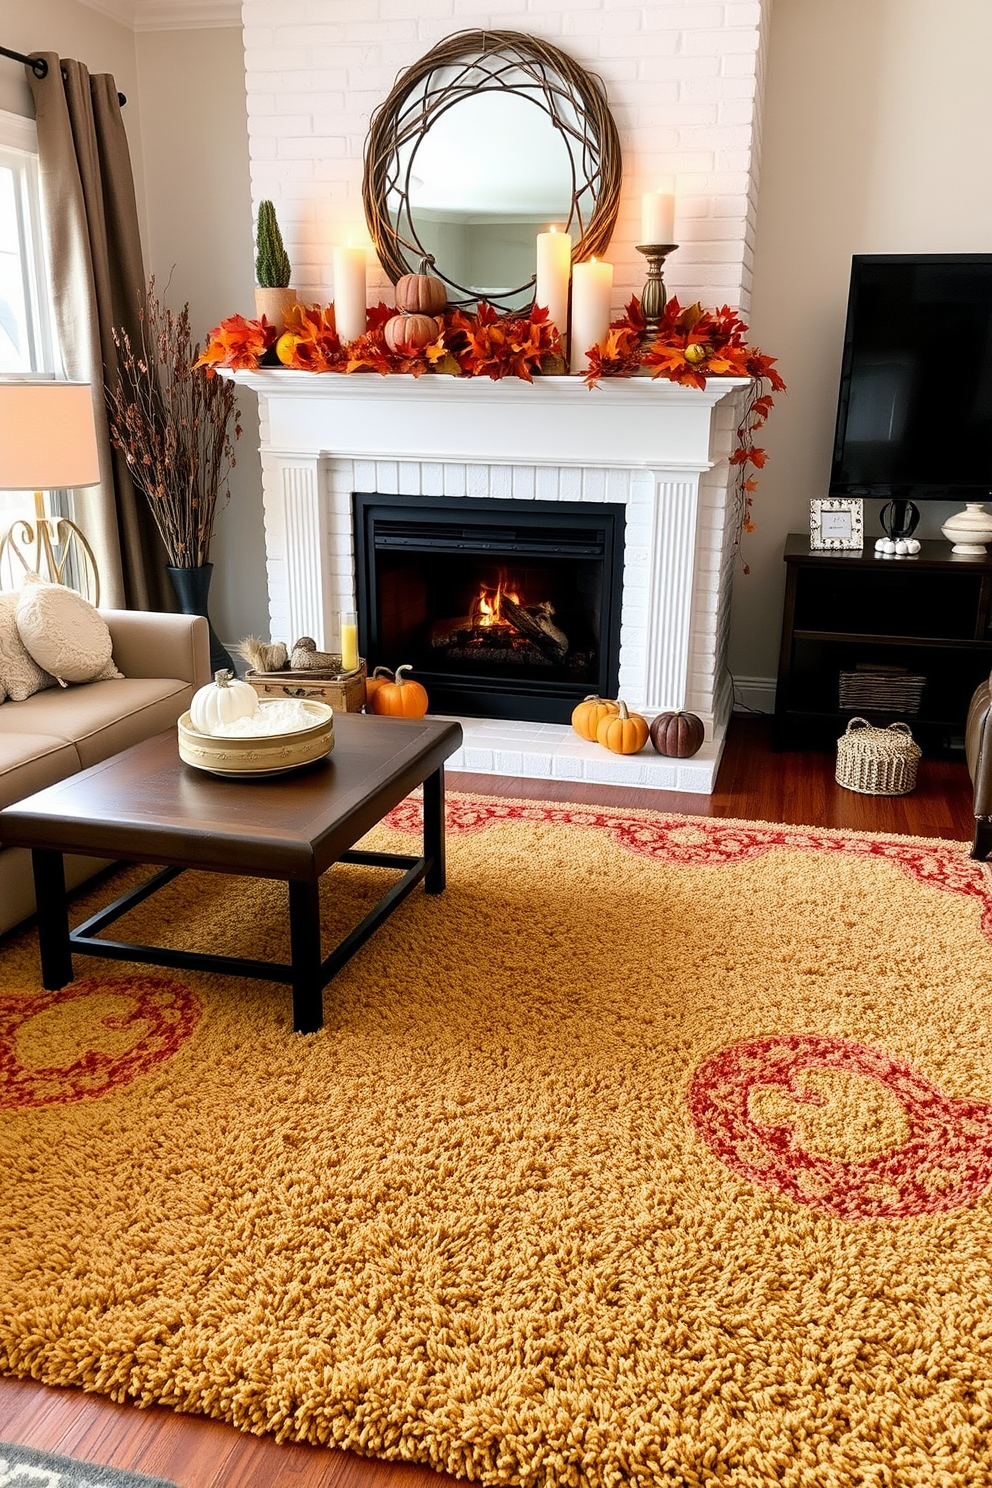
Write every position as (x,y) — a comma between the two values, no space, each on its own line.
(653,295)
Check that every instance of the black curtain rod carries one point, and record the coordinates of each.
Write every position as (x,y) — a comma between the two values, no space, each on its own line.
(39,67)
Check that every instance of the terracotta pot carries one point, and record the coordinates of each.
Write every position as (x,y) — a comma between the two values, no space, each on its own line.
(273,304)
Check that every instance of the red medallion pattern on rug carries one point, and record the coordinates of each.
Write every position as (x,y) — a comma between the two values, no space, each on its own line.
(944,1163)
(944,1159)
(152,1018)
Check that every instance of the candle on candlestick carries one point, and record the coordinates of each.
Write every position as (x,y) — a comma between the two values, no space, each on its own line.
(349,293)
(657,217)
(592,287)
(554,269)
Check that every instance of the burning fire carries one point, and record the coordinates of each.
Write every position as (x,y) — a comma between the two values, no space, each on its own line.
(487,605)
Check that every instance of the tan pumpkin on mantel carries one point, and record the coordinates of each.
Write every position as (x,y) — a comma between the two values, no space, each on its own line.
(421,294)
(407,334)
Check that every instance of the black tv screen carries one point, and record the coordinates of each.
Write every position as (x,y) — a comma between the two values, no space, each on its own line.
(914,416)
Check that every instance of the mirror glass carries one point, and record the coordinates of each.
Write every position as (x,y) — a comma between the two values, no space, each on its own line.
(489,140)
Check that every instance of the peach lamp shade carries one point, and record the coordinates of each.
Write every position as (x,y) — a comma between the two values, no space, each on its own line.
(47,435)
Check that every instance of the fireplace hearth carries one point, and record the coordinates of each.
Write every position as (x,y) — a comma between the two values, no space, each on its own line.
(503,611)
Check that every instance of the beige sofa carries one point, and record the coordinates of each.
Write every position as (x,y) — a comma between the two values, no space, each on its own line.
(164,658)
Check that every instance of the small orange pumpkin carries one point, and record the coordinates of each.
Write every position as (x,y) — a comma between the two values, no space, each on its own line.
(587,714)
(623,733)
(401,697)
(423,293)
(407,334)
(677,734)
(373,683)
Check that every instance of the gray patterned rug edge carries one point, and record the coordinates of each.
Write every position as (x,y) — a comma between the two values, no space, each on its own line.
(24,1467)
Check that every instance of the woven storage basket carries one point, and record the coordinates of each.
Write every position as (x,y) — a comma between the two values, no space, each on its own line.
(882,688)
(877,761)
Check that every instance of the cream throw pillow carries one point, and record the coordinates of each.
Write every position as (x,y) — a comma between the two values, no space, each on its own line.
(20,675)
(64,634)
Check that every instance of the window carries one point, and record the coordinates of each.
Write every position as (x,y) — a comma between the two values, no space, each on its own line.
(25,321)
(26,337)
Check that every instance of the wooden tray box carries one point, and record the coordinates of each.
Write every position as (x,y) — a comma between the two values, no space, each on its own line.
(346,694)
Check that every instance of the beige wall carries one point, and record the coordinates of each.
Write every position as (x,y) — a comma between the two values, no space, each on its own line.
(192,88)
(71,30)
(877,138)
(186,126)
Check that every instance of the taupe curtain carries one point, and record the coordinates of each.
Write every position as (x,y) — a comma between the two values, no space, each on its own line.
(91,224)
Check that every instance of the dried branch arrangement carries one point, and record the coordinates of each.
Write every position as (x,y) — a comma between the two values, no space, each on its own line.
(175,427)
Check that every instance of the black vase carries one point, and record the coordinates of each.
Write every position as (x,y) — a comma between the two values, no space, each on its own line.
(899,518)
(192,586)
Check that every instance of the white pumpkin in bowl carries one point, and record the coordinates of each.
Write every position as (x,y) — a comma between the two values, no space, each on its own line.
(222,701)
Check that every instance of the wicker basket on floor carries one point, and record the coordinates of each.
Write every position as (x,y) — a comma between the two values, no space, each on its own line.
(877,761)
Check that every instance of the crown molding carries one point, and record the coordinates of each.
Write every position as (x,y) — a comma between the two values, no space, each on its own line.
(117,10)
(170,15)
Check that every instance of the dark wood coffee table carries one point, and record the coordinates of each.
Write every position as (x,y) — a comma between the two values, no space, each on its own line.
(146,806)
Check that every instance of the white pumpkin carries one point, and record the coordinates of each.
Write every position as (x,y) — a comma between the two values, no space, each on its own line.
(222,701)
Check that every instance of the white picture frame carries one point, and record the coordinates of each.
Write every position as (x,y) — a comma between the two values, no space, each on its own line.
(837,524)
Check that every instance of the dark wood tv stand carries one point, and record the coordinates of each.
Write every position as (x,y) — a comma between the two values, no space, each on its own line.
(930,615)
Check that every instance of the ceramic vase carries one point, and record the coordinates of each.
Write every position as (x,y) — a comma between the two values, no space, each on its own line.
(970,530)
(192,586)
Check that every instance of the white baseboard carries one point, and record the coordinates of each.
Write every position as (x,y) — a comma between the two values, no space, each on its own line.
(754,694)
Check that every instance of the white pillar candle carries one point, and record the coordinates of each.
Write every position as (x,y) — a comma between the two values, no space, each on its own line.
(592,288)
(349,293)
(554,269)
(657,217)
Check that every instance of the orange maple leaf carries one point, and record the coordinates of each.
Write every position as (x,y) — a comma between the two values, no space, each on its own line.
(237,343)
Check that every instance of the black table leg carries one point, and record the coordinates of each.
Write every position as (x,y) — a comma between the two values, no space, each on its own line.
(53,918)
(304,936)
(434,832)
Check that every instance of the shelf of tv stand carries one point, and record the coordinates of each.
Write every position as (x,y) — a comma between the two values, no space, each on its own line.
(930,614)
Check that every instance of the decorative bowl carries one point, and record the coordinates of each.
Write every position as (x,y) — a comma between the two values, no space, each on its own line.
(259,755)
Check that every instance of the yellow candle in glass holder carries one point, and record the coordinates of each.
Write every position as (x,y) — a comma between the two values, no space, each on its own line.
(349,641)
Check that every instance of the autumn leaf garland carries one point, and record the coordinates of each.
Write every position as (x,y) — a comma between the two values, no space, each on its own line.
(691,345)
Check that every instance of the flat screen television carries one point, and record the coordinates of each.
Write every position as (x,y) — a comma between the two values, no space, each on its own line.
(914,415)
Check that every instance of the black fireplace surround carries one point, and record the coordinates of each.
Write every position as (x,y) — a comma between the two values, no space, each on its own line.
(503,609)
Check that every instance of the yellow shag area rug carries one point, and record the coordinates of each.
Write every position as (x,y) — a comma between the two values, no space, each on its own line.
(657,1150)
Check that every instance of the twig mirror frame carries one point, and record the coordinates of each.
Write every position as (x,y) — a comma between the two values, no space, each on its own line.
(408,111)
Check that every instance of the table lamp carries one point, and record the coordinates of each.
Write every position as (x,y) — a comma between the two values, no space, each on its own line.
(48,441)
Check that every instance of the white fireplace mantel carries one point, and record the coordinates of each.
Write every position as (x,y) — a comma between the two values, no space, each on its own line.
(621,423)
(658,448)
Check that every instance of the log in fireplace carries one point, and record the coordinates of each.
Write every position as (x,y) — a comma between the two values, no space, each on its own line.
(503,609)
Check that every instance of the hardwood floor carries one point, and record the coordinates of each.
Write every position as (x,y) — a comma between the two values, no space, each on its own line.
(753,784)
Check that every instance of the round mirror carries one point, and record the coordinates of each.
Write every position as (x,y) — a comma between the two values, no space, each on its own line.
(489,139)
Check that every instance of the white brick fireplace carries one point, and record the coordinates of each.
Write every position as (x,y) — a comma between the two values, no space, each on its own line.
(684,83)
(659,449)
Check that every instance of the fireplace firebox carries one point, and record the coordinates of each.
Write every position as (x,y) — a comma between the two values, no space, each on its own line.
(503,609)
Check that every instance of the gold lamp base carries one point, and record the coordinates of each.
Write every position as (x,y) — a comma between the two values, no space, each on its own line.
(52,547)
